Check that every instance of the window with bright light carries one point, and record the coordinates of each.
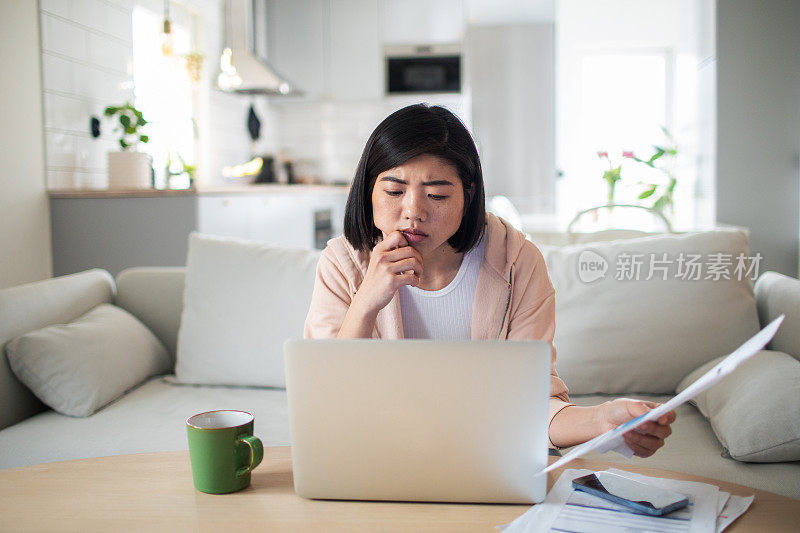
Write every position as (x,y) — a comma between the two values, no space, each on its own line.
(164,94)
(624,103)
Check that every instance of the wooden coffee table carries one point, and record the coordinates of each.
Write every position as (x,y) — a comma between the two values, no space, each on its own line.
(154,491)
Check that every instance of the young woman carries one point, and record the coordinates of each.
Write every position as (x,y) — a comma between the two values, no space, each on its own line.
(420,258)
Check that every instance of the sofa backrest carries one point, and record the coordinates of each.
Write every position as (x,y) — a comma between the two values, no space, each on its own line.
(154,295)
(611,336)
(619,335)
(32,306)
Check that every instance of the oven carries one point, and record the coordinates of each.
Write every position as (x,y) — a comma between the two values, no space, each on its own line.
(423,68)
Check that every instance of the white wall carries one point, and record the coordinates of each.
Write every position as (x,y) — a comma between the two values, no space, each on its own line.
(511,76)
(25,228)
(498,12)
(758,125)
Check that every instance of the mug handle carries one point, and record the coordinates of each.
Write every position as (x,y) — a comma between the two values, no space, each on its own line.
(256,453)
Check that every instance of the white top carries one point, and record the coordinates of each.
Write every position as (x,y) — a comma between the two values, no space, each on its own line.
(447,313)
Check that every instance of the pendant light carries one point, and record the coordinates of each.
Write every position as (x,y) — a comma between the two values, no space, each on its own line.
(167,42)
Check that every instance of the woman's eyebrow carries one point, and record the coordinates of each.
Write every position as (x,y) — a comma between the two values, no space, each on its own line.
(429,183)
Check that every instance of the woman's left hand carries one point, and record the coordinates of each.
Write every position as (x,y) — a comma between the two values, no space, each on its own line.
(647,438)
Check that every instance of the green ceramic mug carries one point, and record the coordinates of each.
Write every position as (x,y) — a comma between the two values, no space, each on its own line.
(223,450)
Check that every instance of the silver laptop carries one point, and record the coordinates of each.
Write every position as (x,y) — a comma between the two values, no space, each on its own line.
(419,420)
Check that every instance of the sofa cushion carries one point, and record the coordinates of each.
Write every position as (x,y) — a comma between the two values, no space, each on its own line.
(618,335)
(35,305)
(79,367)
(755,411)
(150,418)
(777,295)
(242,301)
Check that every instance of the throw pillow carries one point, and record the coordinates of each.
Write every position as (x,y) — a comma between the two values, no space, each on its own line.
(242,300)
(636,315)
(79,367)
(778,294)
(755,411)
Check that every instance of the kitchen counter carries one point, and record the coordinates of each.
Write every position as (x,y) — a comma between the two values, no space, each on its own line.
(271,188)
(116,229)
(265,188)
(119,193)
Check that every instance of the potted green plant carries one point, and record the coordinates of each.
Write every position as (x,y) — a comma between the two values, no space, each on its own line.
(129,168)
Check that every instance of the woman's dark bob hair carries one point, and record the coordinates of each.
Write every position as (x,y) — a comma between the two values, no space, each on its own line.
(407,133)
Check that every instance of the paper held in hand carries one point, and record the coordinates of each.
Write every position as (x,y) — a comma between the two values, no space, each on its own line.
(612,440)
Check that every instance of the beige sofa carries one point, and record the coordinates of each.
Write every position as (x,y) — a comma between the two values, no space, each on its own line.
(614,338)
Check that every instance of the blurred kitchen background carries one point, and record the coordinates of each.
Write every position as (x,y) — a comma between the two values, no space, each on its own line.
(262,142)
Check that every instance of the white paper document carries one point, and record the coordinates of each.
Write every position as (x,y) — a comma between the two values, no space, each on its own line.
(612,440)
(733,509)
(566,509)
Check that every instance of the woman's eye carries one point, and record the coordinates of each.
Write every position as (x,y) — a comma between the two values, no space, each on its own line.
(437,196)
(394,193)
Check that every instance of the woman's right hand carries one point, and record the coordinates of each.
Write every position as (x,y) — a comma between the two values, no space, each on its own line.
(392,264)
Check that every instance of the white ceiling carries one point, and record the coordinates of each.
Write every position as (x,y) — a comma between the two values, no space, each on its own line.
(487,12)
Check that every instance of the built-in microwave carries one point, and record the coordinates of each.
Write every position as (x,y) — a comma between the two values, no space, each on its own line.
(432,68)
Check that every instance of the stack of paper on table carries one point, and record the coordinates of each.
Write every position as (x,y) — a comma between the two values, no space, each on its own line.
(566,509)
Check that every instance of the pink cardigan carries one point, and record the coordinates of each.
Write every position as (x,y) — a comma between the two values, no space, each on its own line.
(514,298)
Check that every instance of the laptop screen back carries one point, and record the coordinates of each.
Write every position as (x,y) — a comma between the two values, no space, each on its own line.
(418,420)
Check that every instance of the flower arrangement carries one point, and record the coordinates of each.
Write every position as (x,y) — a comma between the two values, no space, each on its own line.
(613,175)
(661,159)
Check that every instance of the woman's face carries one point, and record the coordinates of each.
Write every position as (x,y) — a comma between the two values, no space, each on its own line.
(423,199)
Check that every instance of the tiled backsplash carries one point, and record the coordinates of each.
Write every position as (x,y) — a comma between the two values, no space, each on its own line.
(333,134)
(84,68)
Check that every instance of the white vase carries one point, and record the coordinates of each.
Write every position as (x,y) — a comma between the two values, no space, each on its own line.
(129,170)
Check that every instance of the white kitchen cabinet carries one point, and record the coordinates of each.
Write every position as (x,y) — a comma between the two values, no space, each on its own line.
(296,42)
(423,21)
(298,220)
(355,51)
(282,220)
(223,215)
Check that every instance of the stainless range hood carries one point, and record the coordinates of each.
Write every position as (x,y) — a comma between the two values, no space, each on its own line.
(242,70)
